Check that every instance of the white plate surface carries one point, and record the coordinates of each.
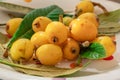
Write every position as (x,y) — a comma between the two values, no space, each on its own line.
(98,70)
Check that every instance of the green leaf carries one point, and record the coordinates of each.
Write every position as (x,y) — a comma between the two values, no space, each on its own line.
(15,8)
(41,70)
(94,51)
(114,16)
(109,24)
(25,29)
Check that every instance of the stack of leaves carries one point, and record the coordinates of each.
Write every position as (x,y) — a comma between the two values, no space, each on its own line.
(109,25)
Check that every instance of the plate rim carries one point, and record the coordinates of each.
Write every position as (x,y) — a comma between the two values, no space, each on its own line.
(29,77)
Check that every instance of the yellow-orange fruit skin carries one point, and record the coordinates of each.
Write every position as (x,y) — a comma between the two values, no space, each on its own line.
(49,54)
(83,30)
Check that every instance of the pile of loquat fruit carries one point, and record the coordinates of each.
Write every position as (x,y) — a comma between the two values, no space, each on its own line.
(54,41)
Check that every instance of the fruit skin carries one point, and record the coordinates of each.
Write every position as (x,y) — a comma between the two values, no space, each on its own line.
(49,54)
(21,49)
(108,44)
(83,30)
(91,17)
(67,20)
(56,32)
(39,38)
(12,25)
(27,0)
(71,49)
(40,23)
(84,6)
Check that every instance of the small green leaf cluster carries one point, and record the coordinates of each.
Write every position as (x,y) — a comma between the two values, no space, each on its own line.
(93,51)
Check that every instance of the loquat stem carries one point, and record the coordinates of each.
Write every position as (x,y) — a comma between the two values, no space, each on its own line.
(68,12)
(77,13)
(61,18)
(102,7)
(2,24)
(6,53)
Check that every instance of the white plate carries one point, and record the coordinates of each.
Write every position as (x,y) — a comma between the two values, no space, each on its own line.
(98,70)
